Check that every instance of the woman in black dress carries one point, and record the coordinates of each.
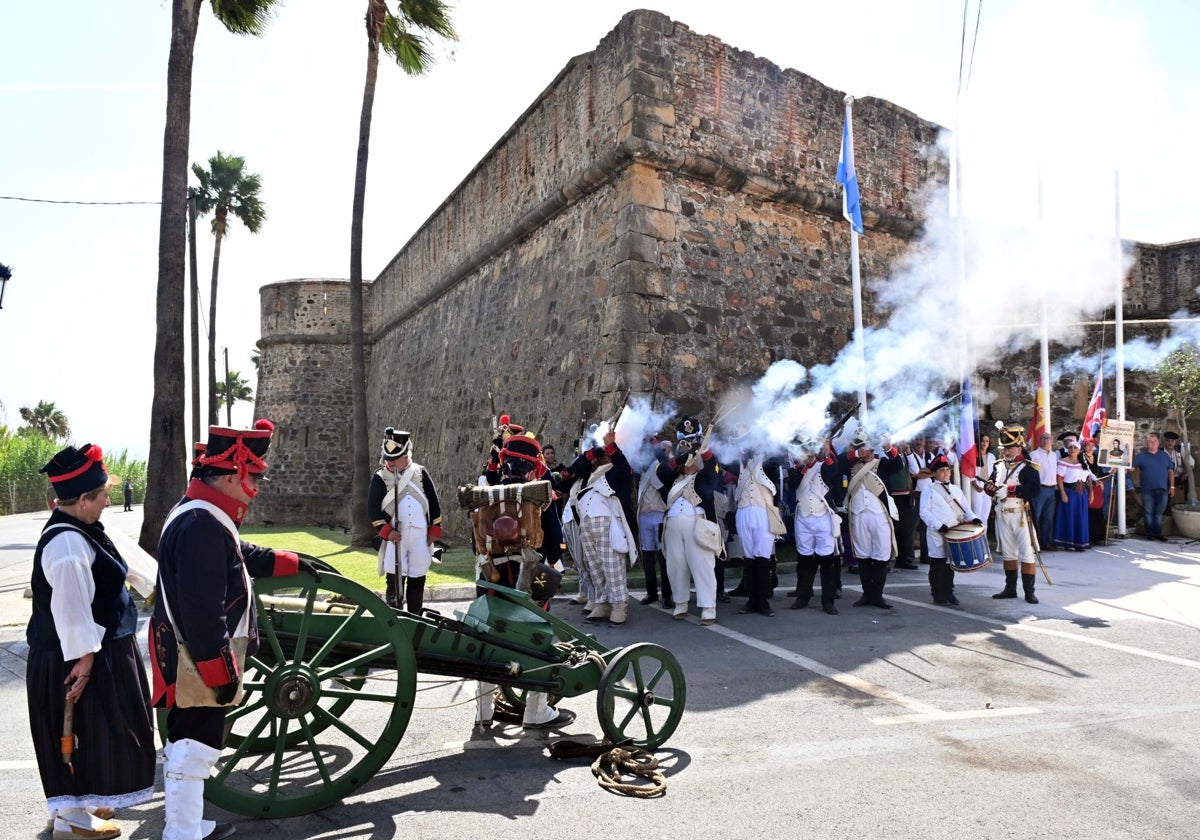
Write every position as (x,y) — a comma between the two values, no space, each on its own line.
(83,654)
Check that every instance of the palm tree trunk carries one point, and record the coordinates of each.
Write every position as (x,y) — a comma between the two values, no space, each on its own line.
(360,525)
(166,474)
(218,235)
(194,306)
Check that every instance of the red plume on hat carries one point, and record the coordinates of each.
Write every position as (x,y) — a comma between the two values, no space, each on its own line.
(74,472)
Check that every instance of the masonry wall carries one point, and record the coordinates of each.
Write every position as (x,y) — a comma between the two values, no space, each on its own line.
(663,220)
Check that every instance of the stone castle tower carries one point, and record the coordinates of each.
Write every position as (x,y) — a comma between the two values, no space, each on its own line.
(663,219)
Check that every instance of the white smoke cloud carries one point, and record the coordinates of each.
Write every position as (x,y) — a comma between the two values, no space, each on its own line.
(638,423)
(1036,251)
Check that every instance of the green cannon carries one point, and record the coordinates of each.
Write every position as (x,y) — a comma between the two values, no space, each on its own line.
(329,694)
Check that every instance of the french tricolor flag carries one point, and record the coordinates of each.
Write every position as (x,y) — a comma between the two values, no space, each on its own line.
(968,452)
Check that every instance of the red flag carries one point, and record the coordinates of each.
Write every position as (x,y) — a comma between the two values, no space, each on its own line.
(1096,416)
(1040,424)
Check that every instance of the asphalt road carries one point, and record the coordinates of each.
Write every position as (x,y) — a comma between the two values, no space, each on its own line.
(1075,718)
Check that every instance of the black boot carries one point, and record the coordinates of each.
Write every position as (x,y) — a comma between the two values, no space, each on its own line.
(773,564)
(948,585)
(391,594)
(868,584)
(650,568)
(664,581)
(762,586)
(1010,585)
(749,585)
(1027,581)
(806,571)
(937,581)
(414,591)
(829,587)
(879,573)
(722,595)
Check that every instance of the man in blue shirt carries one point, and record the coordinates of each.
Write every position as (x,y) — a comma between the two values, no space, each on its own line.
(1157,474)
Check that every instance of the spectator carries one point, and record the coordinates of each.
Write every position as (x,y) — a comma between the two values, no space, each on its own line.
(1074,489)
(1046,460)
(1154,468)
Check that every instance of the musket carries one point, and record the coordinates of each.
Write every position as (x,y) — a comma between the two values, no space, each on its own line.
(845,418)
(612,424)
(1033,539)
(926,413)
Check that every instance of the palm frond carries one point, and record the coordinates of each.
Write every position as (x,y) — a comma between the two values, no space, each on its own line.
(244,17)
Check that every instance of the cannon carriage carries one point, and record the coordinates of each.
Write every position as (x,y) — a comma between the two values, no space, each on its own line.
(331,690)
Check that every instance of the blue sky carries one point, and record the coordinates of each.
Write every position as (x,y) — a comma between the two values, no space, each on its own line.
(1074,89)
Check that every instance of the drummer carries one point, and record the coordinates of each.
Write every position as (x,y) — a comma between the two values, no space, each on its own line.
(943,507)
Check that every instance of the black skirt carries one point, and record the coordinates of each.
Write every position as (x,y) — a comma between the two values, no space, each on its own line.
(114,754)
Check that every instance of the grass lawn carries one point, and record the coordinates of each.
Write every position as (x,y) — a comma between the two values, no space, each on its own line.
(360,564)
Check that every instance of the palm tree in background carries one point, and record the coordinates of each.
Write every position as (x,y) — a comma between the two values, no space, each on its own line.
(46,420)
(404,36)
(226,189)
(233,390)
(169,446)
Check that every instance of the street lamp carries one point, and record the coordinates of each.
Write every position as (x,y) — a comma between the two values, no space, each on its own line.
(5,274)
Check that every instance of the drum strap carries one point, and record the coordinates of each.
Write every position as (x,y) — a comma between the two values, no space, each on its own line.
(967,517)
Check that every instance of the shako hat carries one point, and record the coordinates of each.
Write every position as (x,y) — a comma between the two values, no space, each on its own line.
(395,444)
(235,451)
(520,454)
(687,427)
(940,462)
(1171,436)
(74,472)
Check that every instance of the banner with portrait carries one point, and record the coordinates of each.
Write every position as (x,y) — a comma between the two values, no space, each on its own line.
(1116,444)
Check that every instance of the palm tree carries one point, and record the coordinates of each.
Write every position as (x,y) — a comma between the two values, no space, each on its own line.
(237,390)
(46,420)
(169,446)
(403,36)
(225,188)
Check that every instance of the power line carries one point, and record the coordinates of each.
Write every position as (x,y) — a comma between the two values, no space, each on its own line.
(53,201)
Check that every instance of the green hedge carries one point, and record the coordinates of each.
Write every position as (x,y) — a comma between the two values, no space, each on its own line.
(23,489)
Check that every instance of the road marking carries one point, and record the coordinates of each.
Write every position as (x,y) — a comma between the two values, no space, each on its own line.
(18,765)
(1060,634)
(855,683)
(968,715)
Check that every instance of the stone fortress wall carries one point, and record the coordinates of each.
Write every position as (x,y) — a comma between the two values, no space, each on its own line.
(662,219)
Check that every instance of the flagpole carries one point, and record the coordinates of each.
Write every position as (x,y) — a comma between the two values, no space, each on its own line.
(856,286)
(1045,360)
(1119,348)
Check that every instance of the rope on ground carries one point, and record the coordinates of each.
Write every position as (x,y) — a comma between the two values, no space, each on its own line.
(610,768)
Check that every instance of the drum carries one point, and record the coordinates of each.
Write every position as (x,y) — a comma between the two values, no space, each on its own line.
(967,547)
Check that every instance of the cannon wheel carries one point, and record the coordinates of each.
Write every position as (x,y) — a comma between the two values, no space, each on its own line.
(641,696)
(267,769)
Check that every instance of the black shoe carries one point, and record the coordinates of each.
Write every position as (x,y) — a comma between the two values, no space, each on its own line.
(649,599)
(723,596)
(668,604)
(882,604)
(941,602)
(1030,598)
(766,610)
(746,610)
(829,609)
(862,602)
(952,601)
(909,566)
(800,604)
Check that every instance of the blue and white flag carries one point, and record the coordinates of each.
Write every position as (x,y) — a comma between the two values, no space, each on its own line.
(848,178)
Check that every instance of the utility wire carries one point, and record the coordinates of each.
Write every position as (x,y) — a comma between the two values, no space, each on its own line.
(53,201)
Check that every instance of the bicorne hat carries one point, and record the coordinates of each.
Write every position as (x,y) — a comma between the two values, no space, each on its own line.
(1012,436)
(74,472)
